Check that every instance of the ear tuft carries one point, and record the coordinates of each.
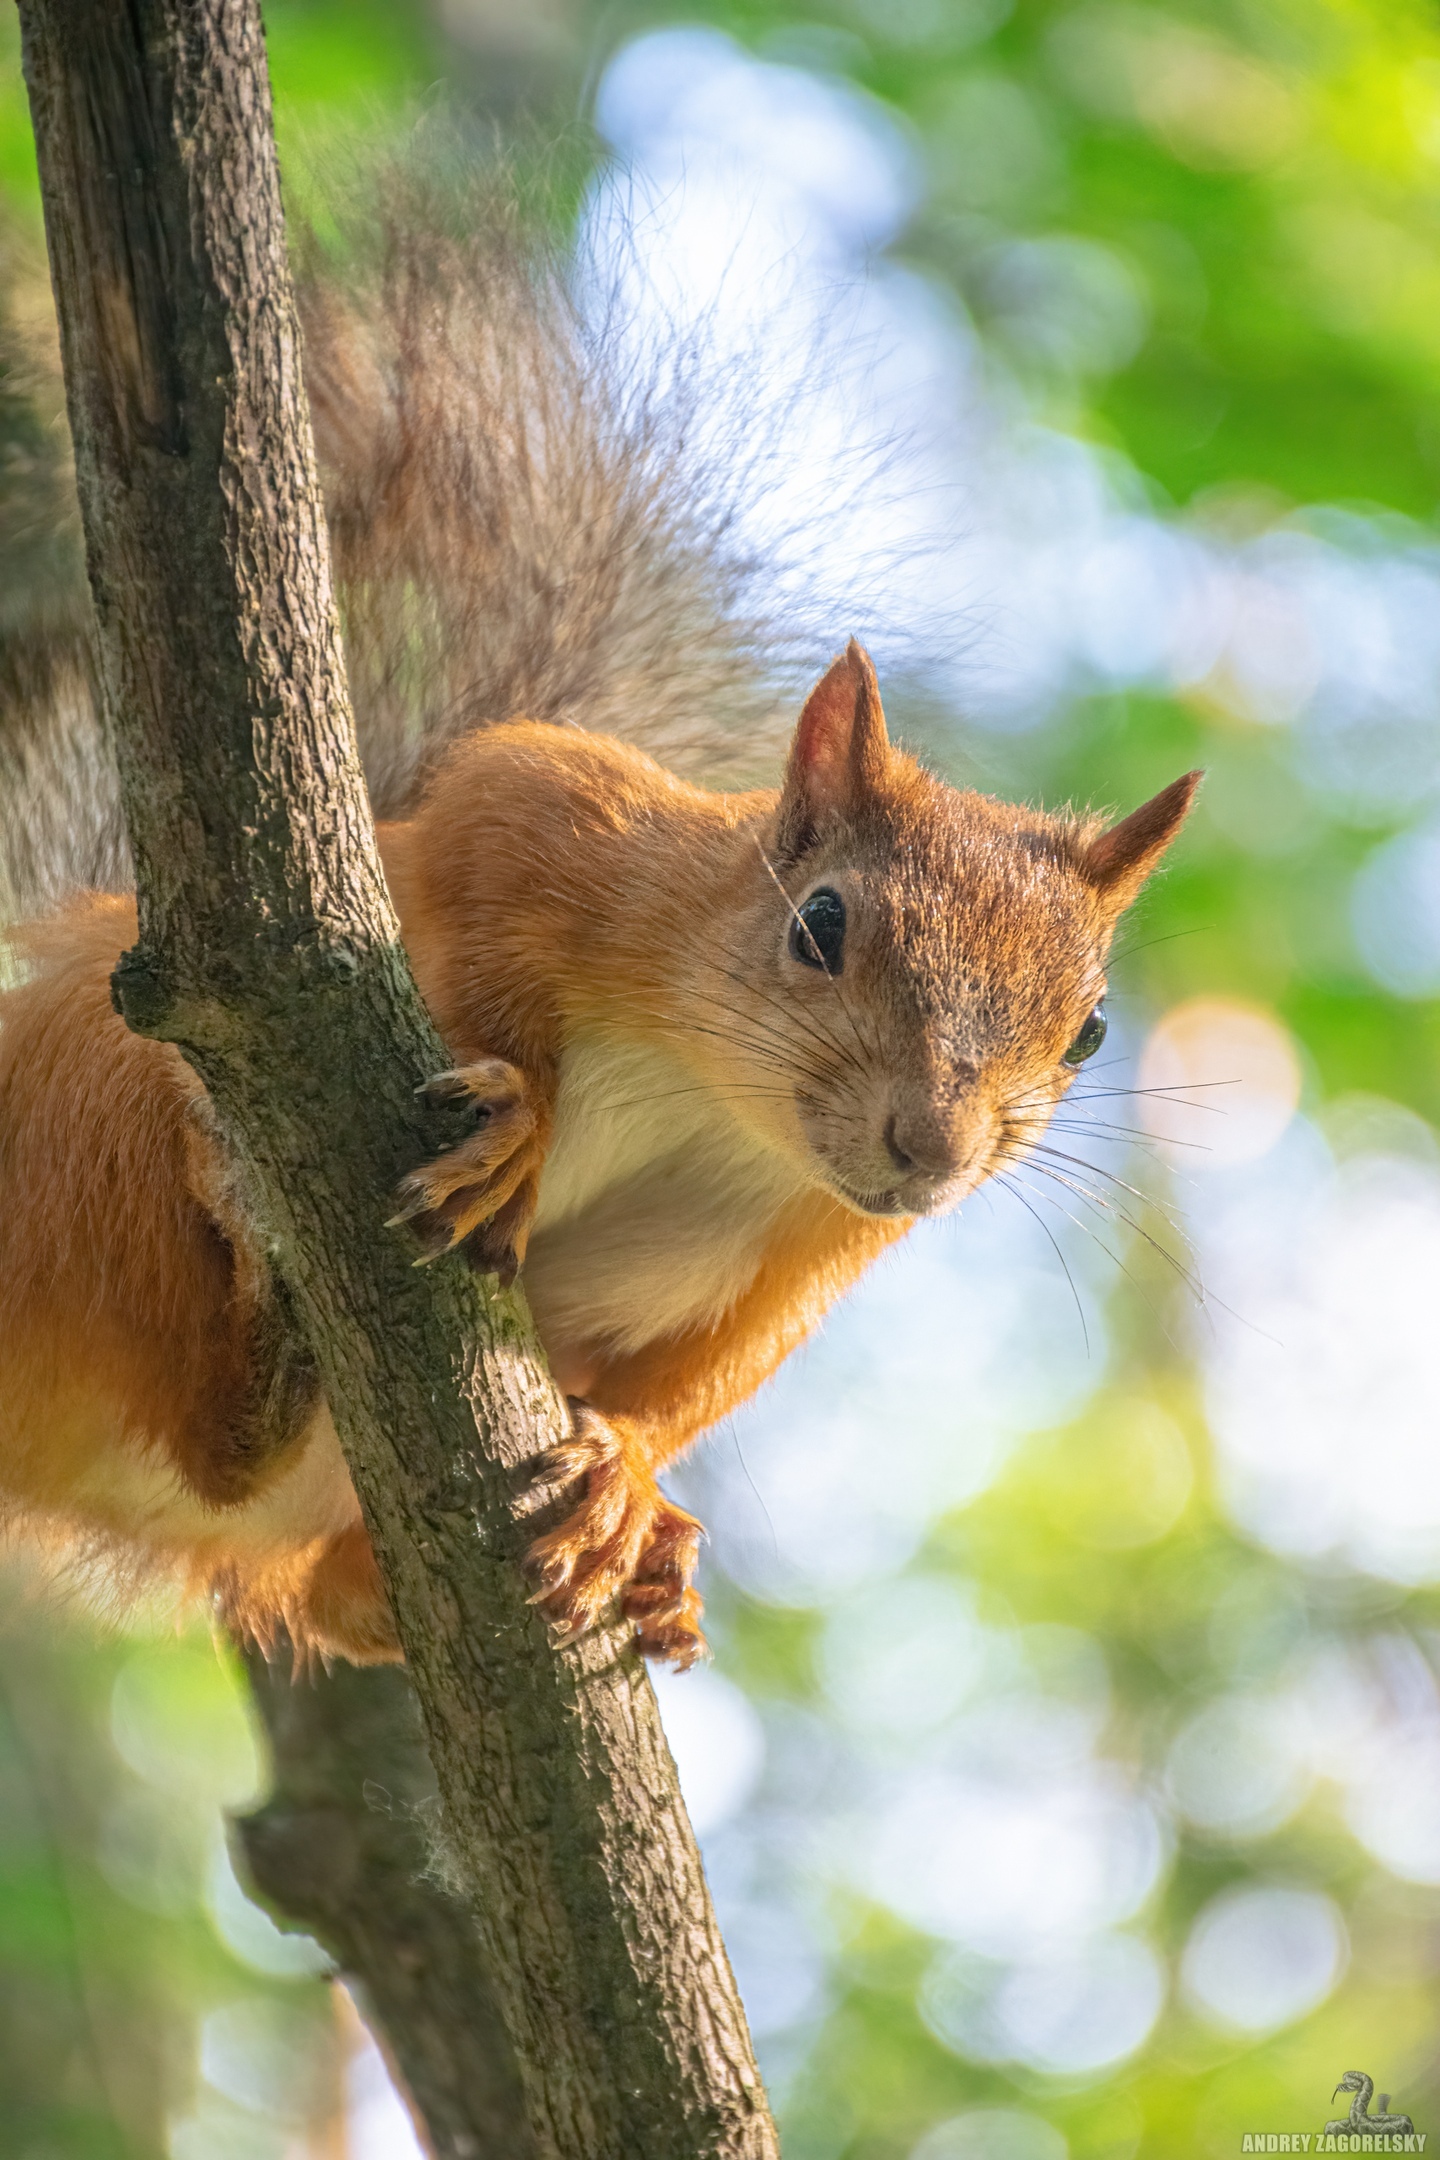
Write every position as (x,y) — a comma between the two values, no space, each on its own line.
(839,753)
(1119,861)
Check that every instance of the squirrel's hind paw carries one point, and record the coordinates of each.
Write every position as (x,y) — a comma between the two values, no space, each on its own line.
(482,1193)
(624,1539)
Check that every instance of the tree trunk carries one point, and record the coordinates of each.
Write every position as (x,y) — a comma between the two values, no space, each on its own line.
(346,1845)
(270,954)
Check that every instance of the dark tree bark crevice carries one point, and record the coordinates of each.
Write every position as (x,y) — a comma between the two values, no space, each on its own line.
(270,954)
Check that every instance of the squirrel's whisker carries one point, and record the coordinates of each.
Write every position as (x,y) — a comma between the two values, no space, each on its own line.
(1095,1170)
(808,1023)
(1088,1230)
(1128,952)
(818,1033)
(1113,1209)
(642,1102)
(758,1035)
(1133,1135)
(777,1054)
(1013,1186)
(1163,1096)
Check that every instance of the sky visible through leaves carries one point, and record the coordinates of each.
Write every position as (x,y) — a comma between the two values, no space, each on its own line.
(1069,1768)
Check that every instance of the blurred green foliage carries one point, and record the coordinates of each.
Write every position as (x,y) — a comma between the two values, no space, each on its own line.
(123,1934)
(1264,178)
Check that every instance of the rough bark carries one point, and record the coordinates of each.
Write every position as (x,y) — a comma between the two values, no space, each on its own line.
(269,953)
(345,1845)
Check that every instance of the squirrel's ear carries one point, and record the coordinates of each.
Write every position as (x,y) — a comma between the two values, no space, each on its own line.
(839,753)
(1119,861)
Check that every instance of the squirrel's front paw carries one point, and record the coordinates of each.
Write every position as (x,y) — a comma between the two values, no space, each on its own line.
(480,1195)
(624,1539)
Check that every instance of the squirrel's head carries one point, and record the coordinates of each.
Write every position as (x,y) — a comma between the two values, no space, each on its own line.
(929,964)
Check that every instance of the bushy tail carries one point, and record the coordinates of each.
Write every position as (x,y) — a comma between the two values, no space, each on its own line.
(526,517)
(59,802)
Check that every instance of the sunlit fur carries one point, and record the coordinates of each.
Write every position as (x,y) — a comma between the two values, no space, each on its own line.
(709,1142)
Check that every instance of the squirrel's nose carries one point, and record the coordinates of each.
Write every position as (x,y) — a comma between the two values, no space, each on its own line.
(917,1151)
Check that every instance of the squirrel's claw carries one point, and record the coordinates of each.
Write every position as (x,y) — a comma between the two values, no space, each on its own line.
(480,1195)
(497,1247)
(676,1637)
(413,1201)
(489,1084)
(624,1539)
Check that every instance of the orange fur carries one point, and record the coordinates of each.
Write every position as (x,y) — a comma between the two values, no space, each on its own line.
(694,1139)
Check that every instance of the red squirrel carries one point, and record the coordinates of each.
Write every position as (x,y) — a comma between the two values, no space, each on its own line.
(722,1049)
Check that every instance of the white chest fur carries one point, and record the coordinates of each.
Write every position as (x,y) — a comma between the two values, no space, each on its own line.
(655,1202)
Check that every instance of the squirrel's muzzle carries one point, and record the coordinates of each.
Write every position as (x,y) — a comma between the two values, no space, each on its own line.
(933,1158)
(921,1148)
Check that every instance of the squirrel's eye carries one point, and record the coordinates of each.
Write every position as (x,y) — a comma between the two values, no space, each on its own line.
(1089,1039)
(817,931)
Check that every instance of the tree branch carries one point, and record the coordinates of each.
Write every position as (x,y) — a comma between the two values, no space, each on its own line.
(269,952)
